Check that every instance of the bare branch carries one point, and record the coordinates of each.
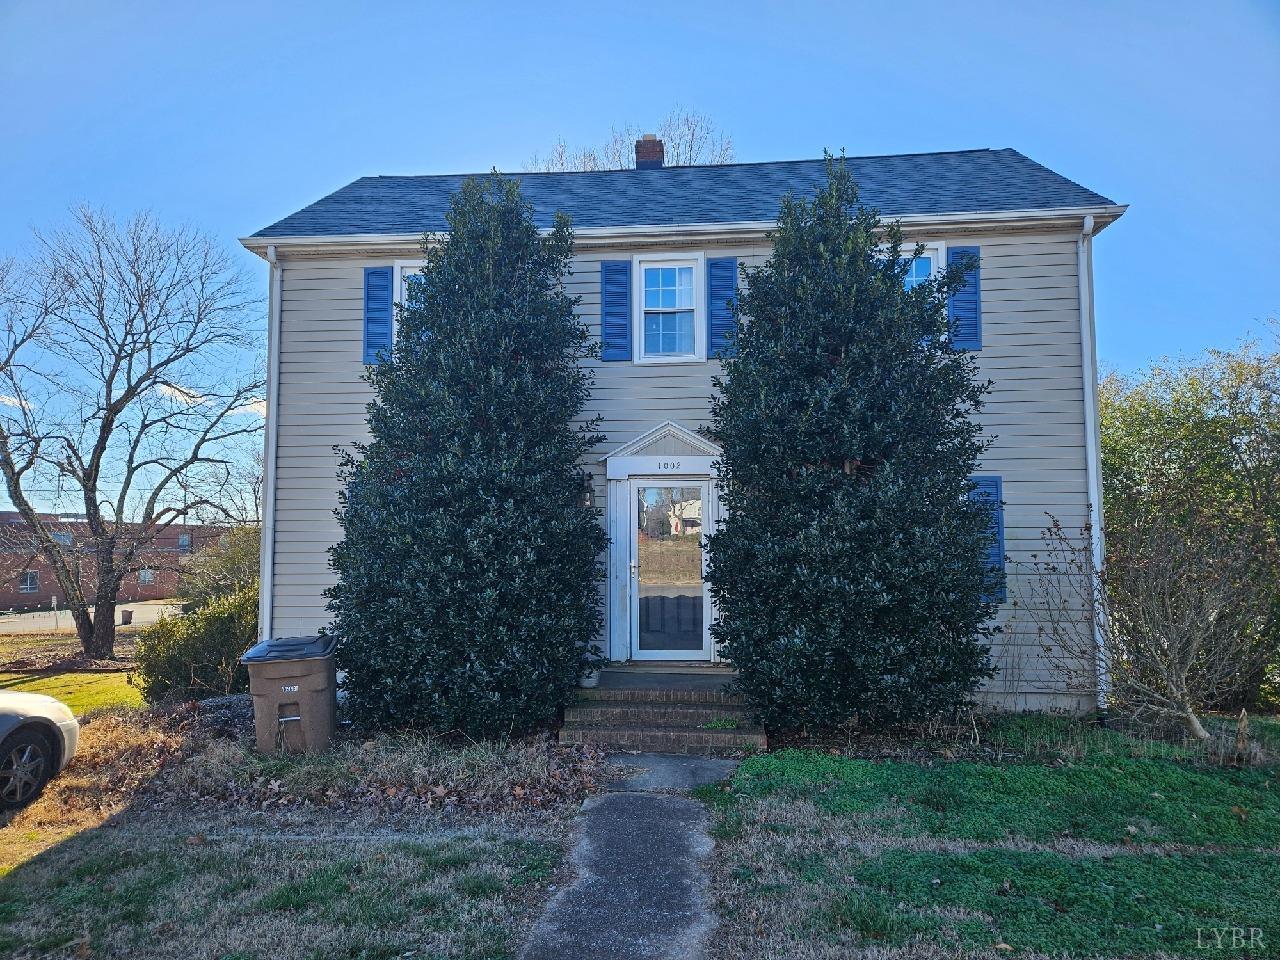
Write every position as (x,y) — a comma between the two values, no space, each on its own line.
(118,387)
(689,138)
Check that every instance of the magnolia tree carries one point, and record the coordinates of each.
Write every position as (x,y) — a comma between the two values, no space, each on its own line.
(123,406)
(848,570)
(467,595)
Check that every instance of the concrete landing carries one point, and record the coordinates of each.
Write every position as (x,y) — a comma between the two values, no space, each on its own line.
(666,771)
(641,886)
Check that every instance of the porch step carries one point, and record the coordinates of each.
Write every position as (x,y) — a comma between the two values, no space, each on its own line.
(605,713)
(660,696)
(650,739)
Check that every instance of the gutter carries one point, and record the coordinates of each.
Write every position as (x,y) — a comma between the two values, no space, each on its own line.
(690,234)
(266,575)
(1093,443)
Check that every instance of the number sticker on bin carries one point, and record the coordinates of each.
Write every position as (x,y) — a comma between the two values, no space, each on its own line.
(290,688)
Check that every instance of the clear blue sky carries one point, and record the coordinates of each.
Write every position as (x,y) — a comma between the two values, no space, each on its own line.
(230,115)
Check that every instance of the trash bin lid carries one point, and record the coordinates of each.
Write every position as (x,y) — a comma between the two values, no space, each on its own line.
(290,648)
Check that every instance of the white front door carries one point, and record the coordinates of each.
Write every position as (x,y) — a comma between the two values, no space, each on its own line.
(670,608)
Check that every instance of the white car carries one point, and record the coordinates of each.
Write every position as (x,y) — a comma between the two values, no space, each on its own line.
(38,737)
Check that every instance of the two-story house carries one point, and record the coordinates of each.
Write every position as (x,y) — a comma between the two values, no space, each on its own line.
(657,256)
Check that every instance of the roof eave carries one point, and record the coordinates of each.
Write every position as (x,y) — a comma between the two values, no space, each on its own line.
(376,244)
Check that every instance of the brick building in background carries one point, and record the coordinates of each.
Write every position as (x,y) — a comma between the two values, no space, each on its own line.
(27,581)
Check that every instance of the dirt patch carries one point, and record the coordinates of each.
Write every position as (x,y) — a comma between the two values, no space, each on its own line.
(61,652)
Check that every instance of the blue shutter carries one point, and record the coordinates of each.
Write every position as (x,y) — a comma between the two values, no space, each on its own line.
(615,310)
(377,312)
(988,491)
(964,307)
(722,289)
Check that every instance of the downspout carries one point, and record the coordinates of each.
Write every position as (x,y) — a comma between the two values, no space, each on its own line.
(1092,439)
(267,554)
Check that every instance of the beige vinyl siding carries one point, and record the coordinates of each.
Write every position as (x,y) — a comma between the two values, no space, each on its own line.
(321,404)
(1035,415)
(1035,412)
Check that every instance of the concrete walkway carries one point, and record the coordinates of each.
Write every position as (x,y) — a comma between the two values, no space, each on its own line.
(641,887)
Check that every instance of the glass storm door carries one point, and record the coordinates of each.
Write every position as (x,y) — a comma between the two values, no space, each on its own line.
(670,609)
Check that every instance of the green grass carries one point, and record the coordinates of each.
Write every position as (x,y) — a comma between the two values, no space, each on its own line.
(256,896)
(1108,799)
(83,692)
(721,723)
(1054,904)
(1089,844)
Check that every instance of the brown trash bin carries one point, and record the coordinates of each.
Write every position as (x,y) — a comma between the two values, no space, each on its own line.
(295,693)
(126,617)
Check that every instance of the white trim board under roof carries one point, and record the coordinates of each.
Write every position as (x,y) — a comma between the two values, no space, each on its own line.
(701,234)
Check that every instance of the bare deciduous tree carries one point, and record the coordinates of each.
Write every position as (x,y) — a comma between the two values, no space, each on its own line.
(119,394)
(689,138)
(1178,616)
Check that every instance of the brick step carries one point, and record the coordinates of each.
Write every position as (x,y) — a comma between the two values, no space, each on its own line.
(649,695)
(687,715)
(664,739)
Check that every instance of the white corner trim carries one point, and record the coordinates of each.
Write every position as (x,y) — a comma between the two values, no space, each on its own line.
(1093,443)
(662,431)
(266,571)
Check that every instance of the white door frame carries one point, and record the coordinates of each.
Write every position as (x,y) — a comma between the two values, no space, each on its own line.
(622,472)
(633,570)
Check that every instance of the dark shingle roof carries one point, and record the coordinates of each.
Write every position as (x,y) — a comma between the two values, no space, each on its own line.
(966,181)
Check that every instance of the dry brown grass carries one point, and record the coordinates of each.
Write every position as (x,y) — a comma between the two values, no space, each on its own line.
(119,753)
(165,841)
(392,772)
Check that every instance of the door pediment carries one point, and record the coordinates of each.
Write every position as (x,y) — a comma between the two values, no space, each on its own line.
(665,440)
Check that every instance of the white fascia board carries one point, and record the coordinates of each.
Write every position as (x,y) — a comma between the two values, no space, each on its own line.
(685,233)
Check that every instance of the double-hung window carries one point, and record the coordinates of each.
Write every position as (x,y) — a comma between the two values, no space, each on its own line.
(146,576)
(29,581)
(670,316)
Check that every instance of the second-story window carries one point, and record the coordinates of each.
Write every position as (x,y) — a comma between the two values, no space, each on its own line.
(921,269)
(29,581)
(925,266)
(146,576)
(184,542)
(61,538)
(670,317)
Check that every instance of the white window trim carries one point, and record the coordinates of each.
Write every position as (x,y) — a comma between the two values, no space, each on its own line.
(22,581)
(151,574)
(399,269)
(699,263)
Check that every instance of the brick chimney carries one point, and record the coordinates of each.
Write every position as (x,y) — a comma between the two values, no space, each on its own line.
(649,152)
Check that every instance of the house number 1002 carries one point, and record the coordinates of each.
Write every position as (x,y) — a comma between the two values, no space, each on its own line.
(668,464)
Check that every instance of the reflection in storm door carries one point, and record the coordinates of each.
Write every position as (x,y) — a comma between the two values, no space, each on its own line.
(668,595)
